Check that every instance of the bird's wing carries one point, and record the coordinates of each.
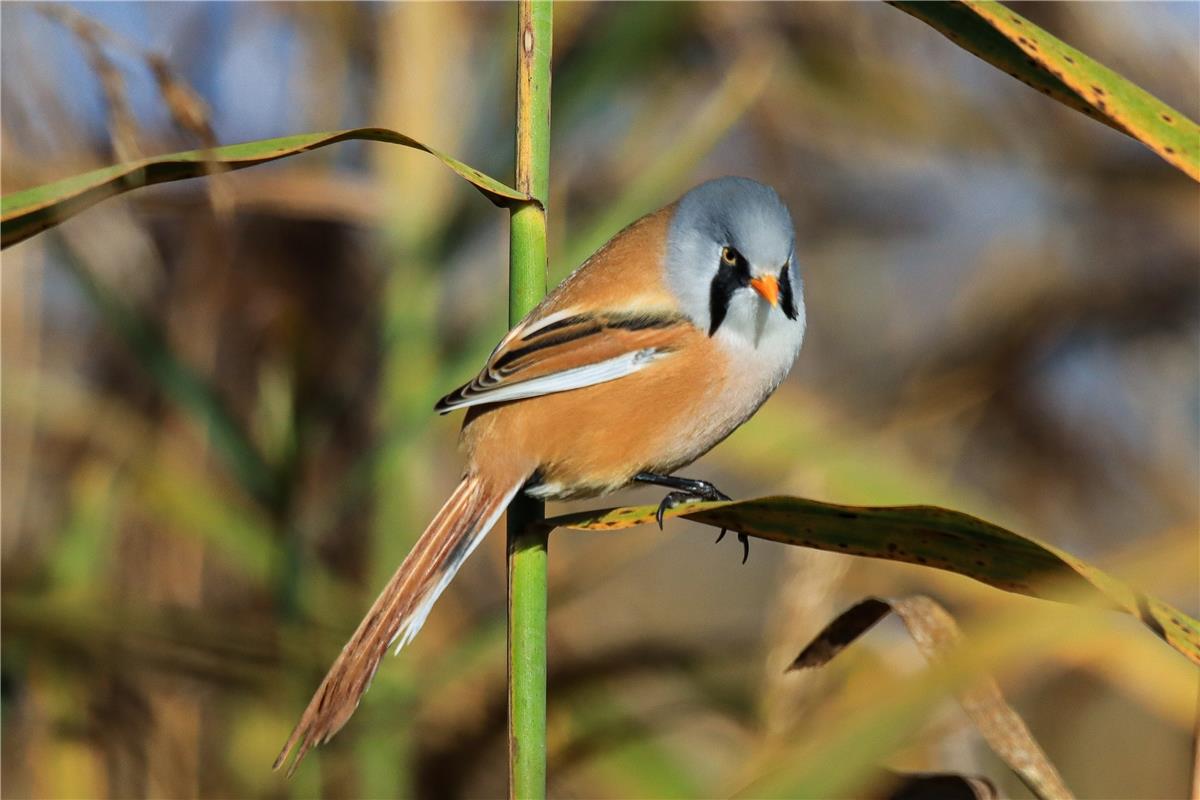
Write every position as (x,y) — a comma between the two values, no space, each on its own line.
(571,349)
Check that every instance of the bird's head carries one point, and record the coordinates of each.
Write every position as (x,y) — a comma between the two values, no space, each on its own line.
(730,260)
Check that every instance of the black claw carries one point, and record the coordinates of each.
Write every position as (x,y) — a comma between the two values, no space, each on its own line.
(741,538)
(670,501)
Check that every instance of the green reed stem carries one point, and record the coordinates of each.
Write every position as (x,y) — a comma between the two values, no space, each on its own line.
(526,540)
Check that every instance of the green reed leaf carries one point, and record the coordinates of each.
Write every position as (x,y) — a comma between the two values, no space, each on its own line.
(925,535)
(24,213)
(1035,57)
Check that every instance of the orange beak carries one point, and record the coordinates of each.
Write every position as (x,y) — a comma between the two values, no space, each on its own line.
(768,287)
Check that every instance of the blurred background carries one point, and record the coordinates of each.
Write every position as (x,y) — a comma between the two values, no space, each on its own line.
(218,437)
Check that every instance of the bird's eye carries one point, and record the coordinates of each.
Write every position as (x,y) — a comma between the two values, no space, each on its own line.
(729,256)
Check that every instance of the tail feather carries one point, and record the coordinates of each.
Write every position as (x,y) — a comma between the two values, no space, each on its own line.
(400,610)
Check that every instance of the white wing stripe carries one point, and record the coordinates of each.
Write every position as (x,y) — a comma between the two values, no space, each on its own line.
(575,378)
(536,325)
(533,326)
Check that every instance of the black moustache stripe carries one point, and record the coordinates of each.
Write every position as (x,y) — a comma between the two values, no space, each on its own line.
(787,302)
(728,280)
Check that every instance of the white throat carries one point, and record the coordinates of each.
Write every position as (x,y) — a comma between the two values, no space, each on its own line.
(761,341)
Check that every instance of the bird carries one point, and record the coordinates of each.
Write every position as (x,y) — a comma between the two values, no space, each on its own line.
(663,342)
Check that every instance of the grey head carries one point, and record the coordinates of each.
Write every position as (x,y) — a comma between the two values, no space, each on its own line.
(730,259)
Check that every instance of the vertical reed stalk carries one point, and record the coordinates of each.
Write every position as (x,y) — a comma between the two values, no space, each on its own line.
(527,285)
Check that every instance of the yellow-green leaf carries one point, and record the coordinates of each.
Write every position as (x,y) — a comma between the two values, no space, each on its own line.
(24,213)
(926,535)
(1012,43)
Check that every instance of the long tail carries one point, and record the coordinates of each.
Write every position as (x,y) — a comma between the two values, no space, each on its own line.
(400,610)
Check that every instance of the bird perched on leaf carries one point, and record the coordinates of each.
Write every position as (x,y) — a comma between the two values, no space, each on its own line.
(654,350)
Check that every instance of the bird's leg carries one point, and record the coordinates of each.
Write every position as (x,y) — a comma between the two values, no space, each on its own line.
(688,489)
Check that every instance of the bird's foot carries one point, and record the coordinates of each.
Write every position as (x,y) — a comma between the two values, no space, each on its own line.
(670,501)
(697,491)
(689,490)
(702,490)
